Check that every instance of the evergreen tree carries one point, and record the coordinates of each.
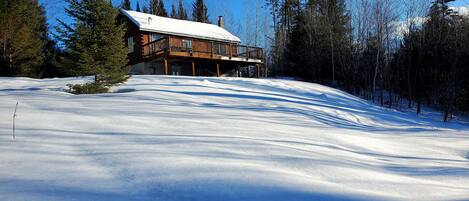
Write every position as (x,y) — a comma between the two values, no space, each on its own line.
(316,39)
(146,9)
(22,35)
(182,13)
(174,13)
(157,8)
(138,7)
(161,9)
(126,5)
(51,66)
(200,12)
(94,43)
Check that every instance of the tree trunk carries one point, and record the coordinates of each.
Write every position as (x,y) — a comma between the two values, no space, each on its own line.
(332,55)
(445,118)
(419,107)
(382,96)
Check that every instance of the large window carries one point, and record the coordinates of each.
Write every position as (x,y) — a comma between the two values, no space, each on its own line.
(131,44)
(220,49)
(155,37)
(187,44)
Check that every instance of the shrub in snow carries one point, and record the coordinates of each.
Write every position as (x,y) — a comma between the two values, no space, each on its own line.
(88,88)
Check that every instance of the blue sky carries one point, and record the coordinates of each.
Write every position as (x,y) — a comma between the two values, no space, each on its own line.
(236,8)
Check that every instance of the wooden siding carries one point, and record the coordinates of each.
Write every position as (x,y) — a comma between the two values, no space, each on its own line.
(172,46)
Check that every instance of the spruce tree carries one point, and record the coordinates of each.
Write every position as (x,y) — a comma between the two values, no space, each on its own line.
(138,7)
(161,9)
(200,12)
(182,13)
(94,43)
(157,8)
(174,13)
(126,5)
(146,9)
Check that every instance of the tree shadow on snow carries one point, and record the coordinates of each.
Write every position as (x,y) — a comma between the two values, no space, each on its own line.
(349,116)
(188,189)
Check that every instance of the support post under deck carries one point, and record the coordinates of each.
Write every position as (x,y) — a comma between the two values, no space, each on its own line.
(165,66)
(193,68)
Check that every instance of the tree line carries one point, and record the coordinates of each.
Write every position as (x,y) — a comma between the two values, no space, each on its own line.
(397,53)
(157,7)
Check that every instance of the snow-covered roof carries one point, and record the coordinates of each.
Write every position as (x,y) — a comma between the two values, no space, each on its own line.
(170,26)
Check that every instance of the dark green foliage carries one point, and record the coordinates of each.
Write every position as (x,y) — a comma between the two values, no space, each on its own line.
(313,42)
(88,88)
(23,34)
(94,42)
(200,12)
(318,39)
(435,60)
(138,7)
(157,8)
(180,12)
(126,5)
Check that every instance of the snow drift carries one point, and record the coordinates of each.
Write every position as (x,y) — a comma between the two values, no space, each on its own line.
(182,138)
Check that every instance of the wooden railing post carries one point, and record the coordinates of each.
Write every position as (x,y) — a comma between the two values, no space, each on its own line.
(165,66)
(247,52)
(193,68)
(168,42)
(231,50)
(258,70)
(211,50)
(218,70)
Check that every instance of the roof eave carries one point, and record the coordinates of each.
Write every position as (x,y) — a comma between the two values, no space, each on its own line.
(189,36)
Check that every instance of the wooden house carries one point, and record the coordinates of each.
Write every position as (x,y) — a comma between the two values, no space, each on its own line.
(166,46)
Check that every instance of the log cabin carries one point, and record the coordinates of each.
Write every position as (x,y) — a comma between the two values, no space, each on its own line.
(166,46)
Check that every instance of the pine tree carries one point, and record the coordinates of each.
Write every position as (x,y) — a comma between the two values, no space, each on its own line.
(22,36)
(146,9)
(161,9)
(138,7)
(157,8)
(94,43)
(200,12)
(182,13)
(126,5)
(153,6)
(174,13)
(50,67)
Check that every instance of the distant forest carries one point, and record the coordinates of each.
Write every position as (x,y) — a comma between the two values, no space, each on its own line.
(397,53)
(363,47)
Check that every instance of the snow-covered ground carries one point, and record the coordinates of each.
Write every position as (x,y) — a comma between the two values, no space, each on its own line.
(183,138)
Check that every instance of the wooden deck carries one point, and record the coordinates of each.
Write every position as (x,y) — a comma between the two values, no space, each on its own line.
(172,46)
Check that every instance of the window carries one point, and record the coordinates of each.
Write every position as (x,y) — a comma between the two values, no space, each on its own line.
(155,37)
(187,44)
(220,49)
(130,44)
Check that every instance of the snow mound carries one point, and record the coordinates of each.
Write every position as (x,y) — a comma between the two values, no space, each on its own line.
(185,138)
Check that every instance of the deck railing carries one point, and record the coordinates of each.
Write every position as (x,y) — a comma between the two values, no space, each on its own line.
(248,52)
(208,48)
(155,47)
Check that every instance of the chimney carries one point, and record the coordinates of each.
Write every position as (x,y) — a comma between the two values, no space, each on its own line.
(221,22)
